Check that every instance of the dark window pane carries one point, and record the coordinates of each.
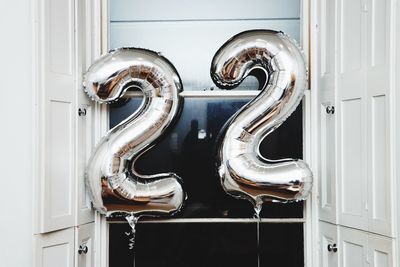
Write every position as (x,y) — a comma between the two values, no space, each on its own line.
(185,244)
(281,245)
(207,245)
(188,150)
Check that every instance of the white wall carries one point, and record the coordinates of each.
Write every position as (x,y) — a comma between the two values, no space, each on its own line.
(16,134)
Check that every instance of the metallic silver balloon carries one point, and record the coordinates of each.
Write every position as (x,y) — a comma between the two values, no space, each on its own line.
(276,61)
(114,185)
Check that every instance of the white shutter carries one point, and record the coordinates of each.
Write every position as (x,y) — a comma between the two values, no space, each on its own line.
(86,111)
(56,60)
(363,115)
(64,51)
(351,114)
(378,116)
(326,85)
(66,139)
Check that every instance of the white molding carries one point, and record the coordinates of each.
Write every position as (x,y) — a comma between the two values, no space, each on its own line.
(205,94)
(395,121)
(305,17)
(99,46)
(392,119)
(311,207)
(313,237)
(35,120)
(101,241)
(105,26)
(37,88)
(217,220)
(37,167)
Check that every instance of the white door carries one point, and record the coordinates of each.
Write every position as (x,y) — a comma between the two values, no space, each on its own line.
(328,245)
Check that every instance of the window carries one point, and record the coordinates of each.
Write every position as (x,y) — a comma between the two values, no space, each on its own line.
(213,229)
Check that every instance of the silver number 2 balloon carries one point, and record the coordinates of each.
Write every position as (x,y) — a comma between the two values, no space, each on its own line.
(114,185)
(278,64)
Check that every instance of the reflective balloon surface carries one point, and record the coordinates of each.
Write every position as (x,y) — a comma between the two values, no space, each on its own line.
(278,64)
(114,185)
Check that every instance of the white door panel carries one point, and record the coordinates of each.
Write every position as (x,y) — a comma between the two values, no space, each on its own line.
(352,171)
(55,249)
(351,49)
(379,196)
(353,245)
(380,251)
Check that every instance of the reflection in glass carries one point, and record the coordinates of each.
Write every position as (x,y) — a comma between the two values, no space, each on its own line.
(188,150)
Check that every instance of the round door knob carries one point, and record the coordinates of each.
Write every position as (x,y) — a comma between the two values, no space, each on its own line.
(330,109)
(82,112)
(83,249)
(332,248)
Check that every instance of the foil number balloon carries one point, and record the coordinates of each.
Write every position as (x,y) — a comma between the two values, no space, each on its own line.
(114,185)
(281,70)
